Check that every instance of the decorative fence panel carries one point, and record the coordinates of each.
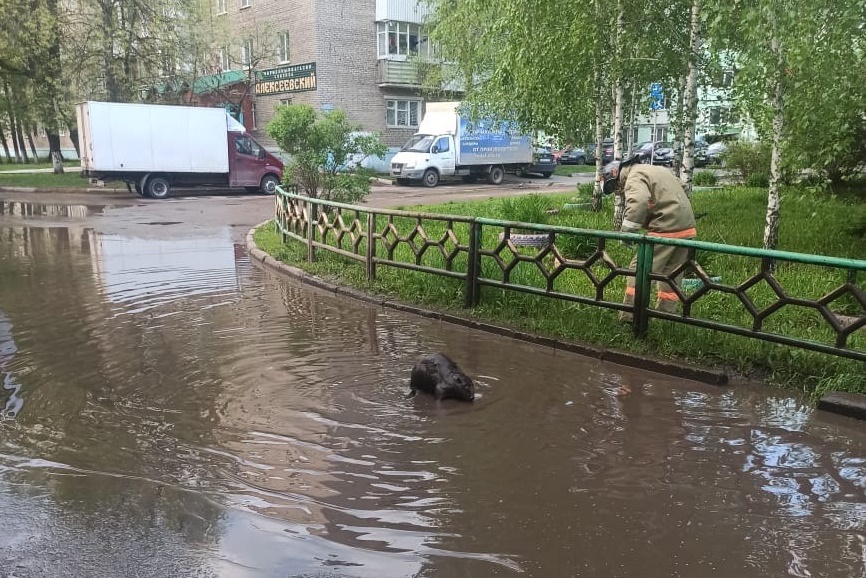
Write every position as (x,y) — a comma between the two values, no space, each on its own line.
(575,265)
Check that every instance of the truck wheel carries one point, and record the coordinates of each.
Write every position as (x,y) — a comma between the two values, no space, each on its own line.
(496,175)
(431,178)
(518,172)
(269,184)
(546,175)
(157,187)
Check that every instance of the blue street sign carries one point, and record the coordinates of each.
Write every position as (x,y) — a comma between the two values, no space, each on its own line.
(656,96)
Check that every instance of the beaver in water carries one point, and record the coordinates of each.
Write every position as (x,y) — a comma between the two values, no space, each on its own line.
(439,376)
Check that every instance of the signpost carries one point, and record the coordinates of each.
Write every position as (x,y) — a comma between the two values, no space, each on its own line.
(656,98)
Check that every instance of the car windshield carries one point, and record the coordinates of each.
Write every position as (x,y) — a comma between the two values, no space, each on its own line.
(420,143)
(666,145)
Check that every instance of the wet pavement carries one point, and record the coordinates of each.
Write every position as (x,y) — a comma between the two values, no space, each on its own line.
(171,409)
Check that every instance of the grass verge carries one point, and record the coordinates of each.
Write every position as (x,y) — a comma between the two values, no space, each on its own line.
(568,170)
(810,224)
(71,179)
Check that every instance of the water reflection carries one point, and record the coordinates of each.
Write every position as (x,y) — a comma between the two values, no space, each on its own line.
(29,209)
(11,387)
(189,414)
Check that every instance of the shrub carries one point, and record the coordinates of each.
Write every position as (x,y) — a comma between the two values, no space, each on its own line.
(525,209)
(321,148)
(747,159)
(704,179)
(576,246)
(758,180)
(584,190)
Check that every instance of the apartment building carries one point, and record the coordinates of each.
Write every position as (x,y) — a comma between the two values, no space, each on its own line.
(362,56)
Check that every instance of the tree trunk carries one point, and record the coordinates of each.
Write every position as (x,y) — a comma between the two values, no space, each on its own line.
(630,140)
(20,135)
(599,137)
(679,127)
(32,146)
(618,91)
(691,98)
(54,144)
(73,136)
(5,144)
(112,87)
(13,123)
(771,229)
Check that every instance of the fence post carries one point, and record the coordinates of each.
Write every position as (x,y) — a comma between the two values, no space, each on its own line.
(311,227)
(643,286)
(371,246)
(473,294)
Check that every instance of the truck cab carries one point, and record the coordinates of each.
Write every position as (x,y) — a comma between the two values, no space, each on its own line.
(251,166)
(426,158)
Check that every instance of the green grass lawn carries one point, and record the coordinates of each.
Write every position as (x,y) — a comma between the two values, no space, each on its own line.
(568,170)
(810,224)
(71,179)
(21,166)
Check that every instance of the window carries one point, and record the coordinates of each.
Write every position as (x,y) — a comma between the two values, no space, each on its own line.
(715,115)
(402,113)
(727,78)
(220,6)
(441,145)
(402,39)
(285,101)
(247,53)
(225,62)
(245,3)
(247,146)
(284,47)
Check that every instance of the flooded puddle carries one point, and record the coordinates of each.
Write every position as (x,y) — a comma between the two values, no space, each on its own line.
(29,209)
(168,409)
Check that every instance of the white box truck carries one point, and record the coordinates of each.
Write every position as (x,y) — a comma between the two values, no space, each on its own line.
(154,147)
(448,144)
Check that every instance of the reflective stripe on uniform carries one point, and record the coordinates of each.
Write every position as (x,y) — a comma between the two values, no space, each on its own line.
(668,296)
(684,234)
(630,291)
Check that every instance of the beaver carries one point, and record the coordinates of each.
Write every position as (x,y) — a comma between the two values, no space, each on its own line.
(439,376)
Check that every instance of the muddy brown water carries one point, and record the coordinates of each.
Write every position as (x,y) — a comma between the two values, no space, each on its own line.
(170,409)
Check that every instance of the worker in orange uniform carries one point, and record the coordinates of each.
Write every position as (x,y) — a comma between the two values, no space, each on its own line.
(652,199)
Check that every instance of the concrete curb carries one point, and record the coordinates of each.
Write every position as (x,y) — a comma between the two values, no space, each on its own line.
(709,376)
(848,404)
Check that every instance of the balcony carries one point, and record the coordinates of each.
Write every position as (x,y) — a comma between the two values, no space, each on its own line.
(414,74)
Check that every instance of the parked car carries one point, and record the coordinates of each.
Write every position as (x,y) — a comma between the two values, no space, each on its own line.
(700,152)
(573,156)
(658,152)
(606,151)
(702,159)
(715,152)
(543,163)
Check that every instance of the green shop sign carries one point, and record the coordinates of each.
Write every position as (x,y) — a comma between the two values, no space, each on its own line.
(296,78)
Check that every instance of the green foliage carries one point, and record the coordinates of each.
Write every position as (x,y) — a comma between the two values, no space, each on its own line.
(327,152)
(759,180)
(747,159)
(704,179)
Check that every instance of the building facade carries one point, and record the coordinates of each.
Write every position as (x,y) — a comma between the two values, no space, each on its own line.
(365,57)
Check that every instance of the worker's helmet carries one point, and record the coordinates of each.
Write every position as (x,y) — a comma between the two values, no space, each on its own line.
(610,173)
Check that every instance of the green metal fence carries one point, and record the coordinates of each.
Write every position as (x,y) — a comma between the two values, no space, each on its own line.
(576,265)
